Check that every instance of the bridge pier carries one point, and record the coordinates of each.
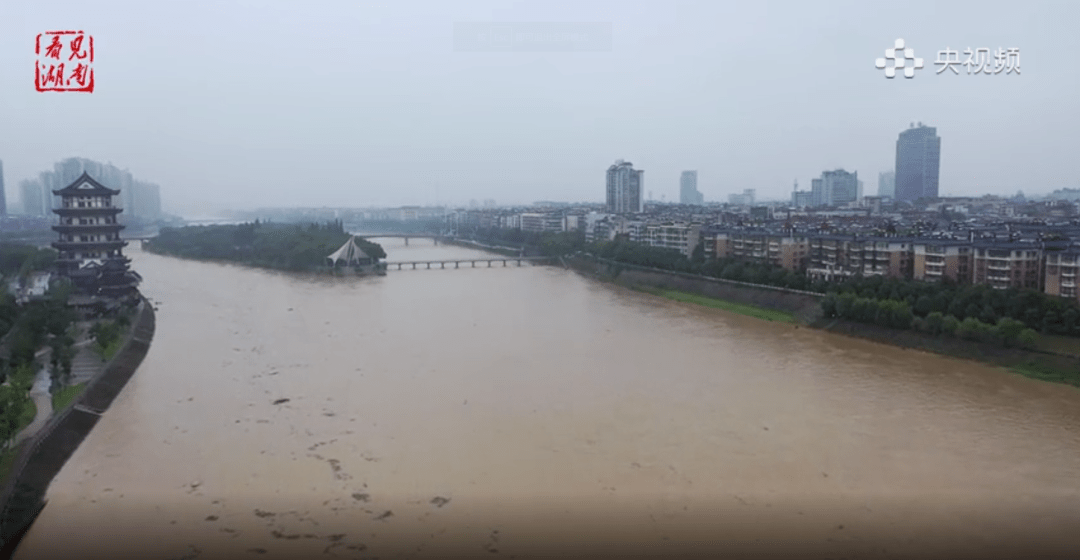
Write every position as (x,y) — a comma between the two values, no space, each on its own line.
(414,266)
(406,241)
(504,263)
(443,264)
(489,264)
(456,263)
(474,264)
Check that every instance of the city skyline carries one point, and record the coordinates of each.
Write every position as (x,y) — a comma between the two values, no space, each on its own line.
(424,122)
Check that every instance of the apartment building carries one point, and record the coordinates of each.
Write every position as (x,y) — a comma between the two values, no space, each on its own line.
(784,250)
(1005,265)
(937,259)
(1061,271)
(683,237)
(828,258)
(834,257)
(543,222)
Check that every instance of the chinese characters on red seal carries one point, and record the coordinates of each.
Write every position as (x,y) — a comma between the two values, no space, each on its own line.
(65,61)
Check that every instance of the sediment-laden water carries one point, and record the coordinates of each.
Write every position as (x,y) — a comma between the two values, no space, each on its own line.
(520,411)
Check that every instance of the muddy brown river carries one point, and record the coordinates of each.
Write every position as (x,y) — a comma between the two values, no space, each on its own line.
(533,412)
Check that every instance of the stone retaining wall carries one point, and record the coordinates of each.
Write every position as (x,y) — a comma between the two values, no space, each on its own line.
(42,456)
(805,306)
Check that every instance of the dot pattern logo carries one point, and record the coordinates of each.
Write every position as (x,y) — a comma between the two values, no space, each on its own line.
(900,57)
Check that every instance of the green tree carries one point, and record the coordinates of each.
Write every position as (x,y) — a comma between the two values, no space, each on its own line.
(934,322)
(950,325)
(1028,338)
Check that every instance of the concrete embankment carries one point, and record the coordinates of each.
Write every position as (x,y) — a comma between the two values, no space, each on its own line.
(498,249)
(41,457)
(805,306)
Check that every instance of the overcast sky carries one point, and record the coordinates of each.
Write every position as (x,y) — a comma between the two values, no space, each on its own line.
(230,103)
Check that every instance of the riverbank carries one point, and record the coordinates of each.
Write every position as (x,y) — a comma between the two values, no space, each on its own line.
(470,244)
(38,459)
(771,303)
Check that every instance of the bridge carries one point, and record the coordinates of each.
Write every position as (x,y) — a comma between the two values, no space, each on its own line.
(457,262)
(147,236)
(435,236)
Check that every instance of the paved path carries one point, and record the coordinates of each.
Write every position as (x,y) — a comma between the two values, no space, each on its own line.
(39,393)
(84,365)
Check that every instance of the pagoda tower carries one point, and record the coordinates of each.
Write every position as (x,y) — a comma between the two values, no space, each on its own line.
(90,246)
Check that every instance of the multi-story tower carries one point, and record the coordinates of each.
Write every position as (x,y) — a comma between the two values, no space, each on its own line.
(835,188)
(624,187)
(90,246)
(918,161)
(886,184)
(688,193)
(3,195)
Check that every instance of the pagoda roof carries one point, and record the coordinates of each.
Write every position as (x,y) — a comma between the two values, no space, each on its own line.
(86,185)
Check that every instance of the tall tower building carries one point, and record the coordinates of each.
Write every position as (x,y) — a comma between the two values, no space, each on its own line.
(89,244)
(835,188)
(3,194)
(886,184)
(688,193)
(624,188)
(918,161)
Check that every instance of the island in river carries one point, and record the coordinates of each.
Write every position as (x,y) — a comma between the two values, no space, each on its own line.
(294,247)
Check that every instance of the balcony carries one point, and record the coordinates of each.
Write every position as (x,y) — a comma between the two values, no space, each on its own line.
(105,245)
(1068,283)
(997,266)
(87,211)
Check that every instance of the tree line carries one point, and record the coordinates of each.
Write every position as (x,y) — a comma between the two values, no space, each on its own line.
(270,245)
(979,302)
(26,329)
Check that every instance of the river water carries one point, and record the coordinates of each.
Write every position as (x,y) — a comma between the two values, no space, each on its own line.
(531,411)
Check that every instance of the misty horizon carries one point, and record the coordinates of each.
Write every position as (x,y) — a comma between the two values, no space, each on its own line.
(235,107)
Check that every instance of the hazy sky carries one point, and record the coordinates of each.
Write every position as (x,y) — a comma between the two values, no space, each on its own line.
(357,103)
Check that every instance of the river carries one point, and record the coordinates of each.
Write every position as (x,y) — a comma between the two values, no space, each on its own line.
(532,411)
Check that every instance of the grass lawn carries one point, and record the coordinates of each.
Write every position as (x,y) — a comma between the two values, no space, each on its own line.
(1046,373)
(65,396)
(6,458)
(27,415)
(1069,345)
(742,309)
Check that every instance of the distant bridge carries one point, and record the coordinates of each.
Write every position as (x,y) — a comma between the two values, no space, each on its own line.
(406,236)
(457,262)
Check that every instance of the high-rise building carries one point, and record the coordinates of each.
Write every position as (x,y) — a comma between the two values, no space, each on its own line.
(918,161)
(624,188)
(744,199)
(3,195)
(141,201)
(688,193)
(835,188)
(886,184)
